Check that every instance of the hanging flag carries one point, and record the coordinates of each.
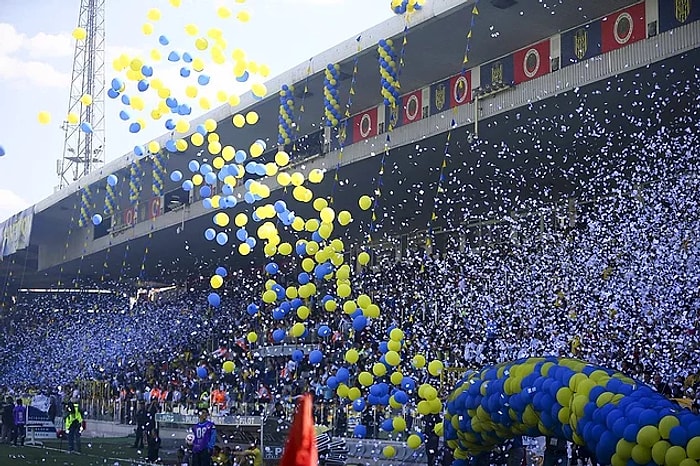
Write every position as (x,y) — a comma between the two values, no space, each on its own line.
(411,107)
(581,44)
(676,13)
(498,71)
(341,135)
(532,62)
(301,448)
(364,125)
(624,27)
(461,89)
(440,97)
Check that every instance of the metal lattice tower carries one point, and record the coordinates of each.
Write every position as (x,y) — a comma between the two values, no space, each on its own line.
(83,152)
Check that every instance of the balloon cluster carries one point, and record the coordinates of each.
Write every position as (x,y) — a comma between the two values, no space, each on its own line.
(110,197)
(158,173)
(85,206)
(330,95)
(622,421)
(406,6)
(134,181)
(286,117)
(388,68)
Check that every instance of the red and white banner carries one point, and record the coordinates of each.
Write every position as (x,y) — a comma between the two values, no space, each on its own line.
(532,62)
(412,107)
(129,216)
(155,208)
(364,125)
(624,27)
(461,89)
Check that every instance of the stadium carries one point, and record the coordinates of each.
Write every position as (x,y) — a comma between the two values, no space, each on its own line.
(390,224)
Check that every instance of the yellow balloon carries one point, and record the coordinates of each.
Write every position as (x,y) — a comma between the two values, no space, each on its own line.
(252,117)
(396,334)
(234,100)
(223,12)
(303,312)
(298,329)
(365,202)
(352,356)
(73,118)
(252,337)
(243,16)
(259,90)
(285,249)
(363,258)
(435,368)
(281,158)
(153,14)
(413,441)
(191,29)
(378,369)
(256,149)
(389,451)
(297,179)
(241,220)
(153,147)
(392,358)
(79,34)
(316,175)
(182,126)
(365,378)
(418,361)
(44,117)
(147,29)
(86,99)
(221,219)
(197,139)
(238,120)
(216,281)
(344,217)
(228,366)
(284,179)
(396,378)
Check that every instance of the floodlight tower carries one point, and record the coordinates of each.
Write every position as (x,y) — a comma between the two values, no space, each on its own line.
(83,151)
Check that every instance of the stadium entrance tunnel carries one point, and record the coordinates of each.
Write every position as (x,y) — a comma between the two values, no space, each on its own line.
(621,421)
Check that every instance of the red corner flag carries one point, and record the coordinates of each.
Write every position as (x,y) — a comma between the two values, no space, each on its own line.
(300,449)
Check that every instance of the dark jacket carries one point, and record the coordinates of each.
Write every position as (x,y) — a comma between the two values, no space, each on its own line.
(8,418)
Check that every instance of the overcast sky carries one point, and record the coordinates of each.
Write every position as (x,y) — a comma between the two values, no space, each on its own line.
(36,54)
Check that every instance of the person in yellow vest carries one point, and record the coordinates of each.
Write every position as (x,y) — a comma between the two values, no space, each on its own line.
(73,423)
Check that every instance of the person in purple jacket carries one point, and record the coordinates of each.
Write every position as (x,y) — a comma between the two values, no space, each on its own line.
(19,413)
(204,440)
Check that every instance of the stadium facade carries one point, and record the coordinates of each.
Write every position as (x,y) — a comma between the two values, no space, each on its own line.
(500,115)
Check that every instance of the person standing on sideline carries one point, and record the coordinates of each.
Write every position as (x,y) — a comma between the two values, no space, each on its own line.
(8,421)
(204,440)
(19,414)
(73,424)
(153,445)
(141,419)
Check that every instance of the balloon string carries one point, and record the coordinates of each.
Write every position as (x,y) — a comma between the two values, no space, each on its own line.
(439,187)
(342,130)
(472,22)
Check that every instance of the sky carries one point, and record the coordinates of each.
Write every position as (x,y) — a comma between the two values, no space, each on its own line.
(36,58)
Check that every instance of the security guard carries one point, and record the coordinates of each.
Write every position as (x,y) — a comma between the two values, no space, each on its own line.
(73,424)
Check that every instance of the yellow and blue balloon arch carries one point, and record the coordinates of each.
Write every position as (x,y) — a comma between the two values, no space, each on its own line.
(621,421)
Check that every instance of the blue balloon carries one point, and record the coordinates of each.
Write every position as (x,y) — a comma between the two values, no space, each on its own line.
(359,323)
(170,145)
(202,372)
(169,124)
(193,165)
(124,115)
(324,331)
(205,191)
(117,84)
(342,374)
(142,85)
(171,102)
(173,56)
(210,178)
(252,309)
(176,176)
(186,57)
(221,238)
(240,156)
(272,268)
(221,271)
(242,234)
(210,234)
(359,405)
(147,71)
(163,40)
(126,100)
(2,151)
(135,127)
(315,357)
(359,431)
(96,219)
(243,78)
(112,94)
(280,206)
(388,425)
(297,355)
(214,299)
(203,79)
(278,335)
(86,127)
(112,180)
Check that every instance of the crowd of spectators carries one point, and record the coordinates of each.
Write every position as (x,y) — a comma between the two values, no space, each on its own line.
(618,288)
